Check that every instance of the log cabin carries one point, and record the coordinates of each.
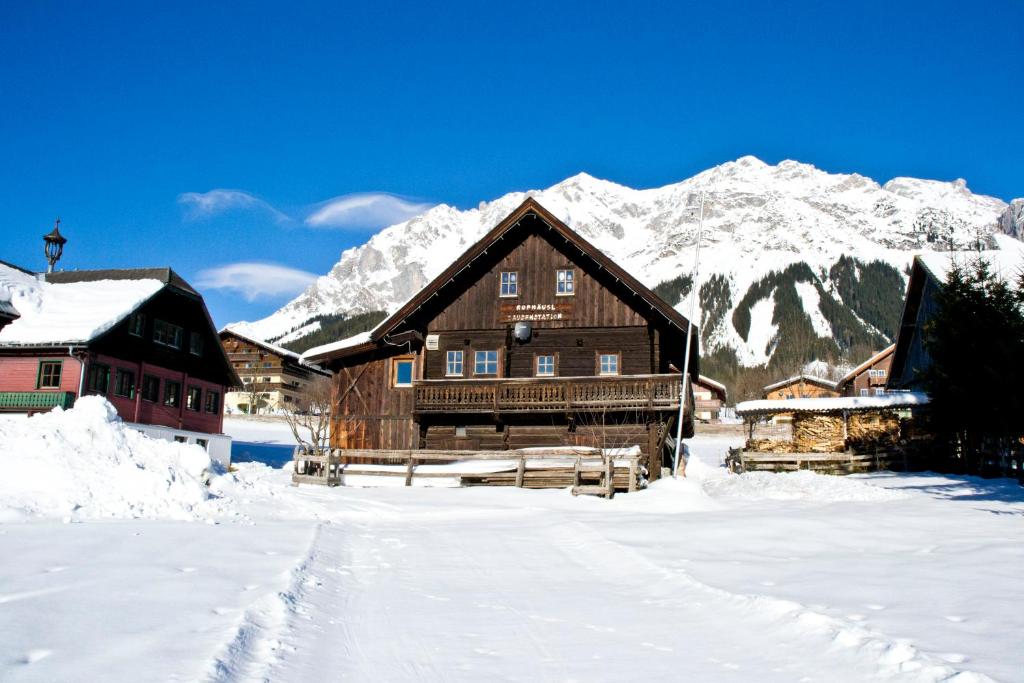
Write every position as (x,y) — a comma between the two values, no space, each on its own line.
(870,377)
(533,337)
(928,275)
(710,397)
(140,337)
(800,386)
(273,377)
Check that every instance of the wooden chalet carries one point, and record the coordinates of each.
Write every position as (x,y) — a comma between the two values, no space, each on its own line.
(928,275)
(800,386)
(709,399)
(870,377)
(533,337)
(140,337)
(273,377)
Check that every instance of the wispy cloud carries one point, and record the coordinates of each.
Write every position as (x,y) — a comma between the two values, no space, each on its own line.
(365,210)
(217,201)
(253,280)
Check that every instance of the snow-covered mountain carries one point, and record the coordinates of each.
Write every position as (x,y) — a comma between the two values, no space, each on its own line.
(759,218)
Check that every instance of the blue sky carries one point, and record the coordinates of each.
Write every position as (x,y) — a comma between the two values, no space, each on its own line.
(210,135)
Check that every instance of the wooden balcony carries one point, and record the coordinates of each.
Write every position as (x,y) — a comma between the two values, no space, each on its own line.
(548,394)
(35,401)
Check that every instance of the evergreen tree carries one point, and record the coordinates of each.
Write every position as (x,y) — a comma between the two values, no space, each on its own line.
(976,344)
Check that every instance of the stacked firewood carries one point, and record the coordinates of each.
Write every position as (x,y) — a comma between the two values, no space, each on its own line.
(877,429)
(813,433)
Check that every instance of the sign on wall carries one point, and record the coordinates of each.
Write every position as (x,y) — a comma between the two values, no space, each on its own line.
(516,312)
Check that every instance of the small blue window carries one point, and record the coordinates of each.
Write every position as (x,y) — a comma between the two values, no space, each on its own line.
(453,367)
(485,363)
(403,373)
(509,283)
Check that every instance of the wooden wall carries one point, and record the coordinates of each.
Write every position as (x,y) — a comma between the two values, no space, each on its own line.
(370,412)
(575,350)
(536,261)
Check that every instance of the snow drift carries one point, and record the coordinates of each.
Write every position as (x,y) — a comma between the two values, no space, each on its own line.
(86,463)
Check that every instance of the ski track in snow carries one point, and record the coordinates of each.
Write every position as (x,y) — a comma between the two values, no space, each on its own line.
(362,606)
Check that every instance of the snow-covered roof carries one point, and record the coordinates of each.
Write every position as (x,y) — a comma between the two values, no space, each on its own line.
(273,348)
(348,342)
(707,381)
(68,312)
(866,364)
(1007,262)
(832,404)
(802,378)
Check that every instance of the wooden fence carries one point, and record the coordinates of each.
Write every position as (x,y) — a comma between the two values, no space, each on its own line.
(586,470)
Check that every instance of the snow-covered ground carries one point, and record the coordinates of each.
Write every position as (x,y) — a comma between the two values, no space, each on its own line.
(714,578)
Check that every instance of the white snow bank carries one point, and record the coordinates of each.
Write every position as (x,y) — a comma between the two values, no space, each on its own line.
(86,463)
(803,485)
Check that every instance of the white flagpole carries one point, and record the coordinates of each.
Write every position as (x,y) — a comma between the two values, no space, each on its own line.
(689,338)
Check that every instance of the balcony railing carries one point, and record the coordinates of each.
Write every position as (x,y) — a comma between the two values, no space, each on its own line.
(554,394)
(33,401)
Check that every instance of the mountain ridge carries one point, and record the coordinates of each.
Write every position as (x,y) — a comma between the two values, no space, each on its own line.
(759,219)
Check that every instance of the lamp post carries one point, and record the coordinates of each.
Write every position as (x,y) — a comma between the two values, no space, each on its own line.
(689,339)
(54,245)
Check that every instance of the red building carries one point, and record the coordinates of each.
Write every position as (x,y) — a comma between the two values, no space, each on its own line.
(140,337)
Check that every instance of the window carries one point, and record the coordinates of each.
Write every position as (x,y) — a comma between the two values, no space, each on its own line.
(453,366)
(545,366)
(172,394)
(879,391)
(150,388)
(460,430)
(98,380)
(212,401)
(201,443)
(246,380)
(401,372)
(193,399)
(167,334)
(195,344)
(509,283)
(863,392)
(268,365)
(137,325)
(608,364)
(876,373)
(485,363)
(181,439)
(565,283)
(49,374)
(124,383)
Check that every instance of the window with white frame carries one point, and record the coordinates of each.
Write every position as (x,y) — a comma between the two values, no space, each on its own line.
(401,372)
(863,392)
(879,374)
(879,391)
(608,364)
(485,363)
(545,366)
(509,283)
(565,283)
(453,364)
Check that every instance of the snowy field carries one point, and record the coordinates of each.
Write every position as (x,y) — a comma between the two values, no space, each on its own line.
(718,577)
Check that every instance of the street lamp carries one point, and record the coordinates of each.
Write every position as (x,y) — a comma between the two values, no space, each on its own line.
(689,338)
(54,245)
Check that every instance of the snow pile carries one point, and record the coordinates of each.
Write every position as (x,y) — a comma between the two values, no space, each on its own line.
(85,463)
(803,485)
